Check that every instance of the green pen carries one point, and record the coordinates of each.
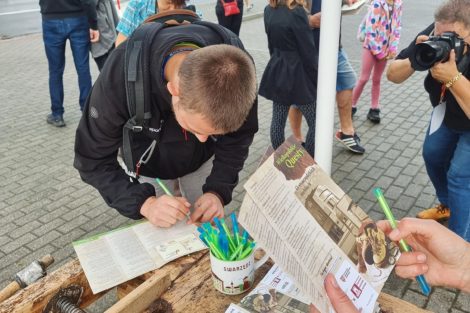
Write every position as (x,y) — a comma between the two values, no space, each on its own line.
(168,192)
(227,231)
(247,251)
(403,245)
(237,251)
(217,253)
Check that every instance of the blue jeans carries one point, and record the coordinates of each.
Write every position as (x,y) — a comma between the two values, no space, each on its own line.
(55,35)
(447,157)
(345,75)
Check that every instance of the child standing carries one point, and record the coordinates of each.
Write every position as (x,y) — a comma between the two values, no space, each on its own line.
(291,74)
(380,33)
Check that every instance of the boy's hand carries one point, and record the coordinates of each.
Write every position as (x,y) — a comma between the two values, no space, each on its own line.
(207,207)
(165,211)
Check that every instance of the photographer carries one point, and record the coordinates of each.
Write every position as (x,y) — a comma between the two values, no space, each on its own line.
(446,149)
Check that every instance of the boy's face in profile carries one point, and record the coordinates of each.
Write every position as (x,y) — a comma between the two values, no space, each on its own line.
(195,123)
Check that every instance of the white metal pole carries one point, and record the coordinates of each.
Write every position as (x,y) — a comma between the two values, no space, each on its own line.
(326,90)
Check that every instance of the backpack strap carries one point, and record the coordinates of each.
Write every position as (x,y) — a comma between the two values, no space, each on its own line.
(137,58)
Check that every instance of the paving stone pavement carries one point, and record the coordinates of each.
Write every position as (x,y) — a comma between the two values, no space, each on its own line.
(44,205)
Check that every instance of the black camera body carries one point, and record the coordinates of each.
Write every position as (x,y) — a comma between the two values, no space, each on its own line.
(437,49)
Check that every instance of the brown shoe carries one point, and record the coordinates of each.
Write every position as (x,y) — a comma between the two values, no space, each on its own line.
(438,213)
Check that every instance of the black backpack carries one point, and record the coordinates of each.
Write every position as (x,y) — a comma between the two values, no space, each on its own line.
(137,58)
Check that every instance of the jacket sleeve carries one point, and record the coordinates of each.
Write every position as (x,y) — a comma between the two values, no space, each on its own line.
(231,151)
(98,137)
(267,14)
(304,40)
(372,29)
(89,6)
(396,28)
(361,32)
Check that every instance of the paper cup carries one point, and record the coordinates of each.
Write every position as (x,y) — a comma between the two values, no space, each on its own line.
(235,277)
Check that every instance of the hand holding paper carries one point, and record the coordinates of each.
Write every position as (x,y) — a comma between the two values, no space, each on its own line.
(339,300)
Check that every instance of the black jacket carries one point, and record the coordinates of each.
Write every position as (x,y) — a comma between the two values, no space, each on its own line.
(58,9)
(291,74)
(99,134)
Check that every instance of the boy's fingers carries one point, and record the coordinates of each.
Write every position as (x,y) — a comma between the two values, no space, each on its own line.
(177,204)
(209,214)
(197,214)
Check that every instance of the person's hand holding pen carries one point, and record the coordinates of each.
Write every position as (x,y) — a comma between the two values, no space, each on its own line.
(165,211)
(439,254)
(206,208)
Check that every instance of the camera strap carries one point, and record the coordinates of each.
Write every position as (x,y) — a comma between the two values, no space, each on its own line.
(443,92)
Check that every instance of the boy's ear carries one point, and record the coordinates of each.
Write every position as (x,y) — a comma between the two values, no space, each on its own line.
(173,88)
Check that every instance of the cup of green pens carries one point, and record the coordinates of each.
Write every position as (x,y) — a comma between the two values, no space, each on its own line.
(231,255)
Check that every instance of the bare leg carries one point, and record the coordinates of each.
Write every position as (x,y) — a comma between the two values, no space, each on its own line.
(344,102)
(295,122)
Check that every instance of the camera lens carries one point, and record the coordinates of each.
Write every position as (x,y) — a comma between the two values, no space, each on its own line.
(426,55)
(430,52)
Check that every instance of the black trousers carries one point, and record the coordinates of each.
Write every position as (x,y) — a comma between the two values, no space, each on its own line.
(232,22)
(102,59)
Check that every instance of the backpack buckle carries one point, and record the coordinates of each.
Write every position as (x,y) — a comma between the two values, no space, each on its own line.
(137,129)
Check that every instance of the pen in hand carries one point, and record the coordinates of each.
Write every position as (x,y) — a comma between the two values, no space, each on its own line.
(168,193)
(403,245)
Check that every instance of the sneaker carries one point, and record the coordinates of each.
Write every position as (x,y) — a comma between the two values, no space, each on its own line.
(374,116)
(438,213)
(350,141)
(353,111)
(249,7)
(57,121)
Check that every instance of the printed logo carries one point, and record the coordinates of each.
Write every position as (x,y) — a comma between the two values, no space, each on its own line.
(93,112)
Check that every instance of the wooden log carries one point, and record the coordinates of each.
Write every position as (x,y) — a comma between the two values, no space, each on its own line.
(141,297)
(194,290)
(391,304)
(9,291)
(35,297)
(173,269)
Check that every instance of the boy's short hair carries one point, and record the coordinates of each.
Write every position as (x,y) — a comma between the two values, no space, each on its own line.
(218,82)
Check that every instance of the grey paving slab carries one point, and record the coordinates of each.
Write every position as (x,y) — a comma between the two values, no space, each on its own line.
(44,206)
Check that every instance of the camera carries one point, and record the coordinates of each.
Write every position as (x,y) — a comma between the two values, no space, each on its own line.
(437,49)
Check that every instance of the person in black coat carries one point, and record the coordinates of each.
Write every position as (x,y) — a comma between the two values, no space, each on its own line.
(291,74)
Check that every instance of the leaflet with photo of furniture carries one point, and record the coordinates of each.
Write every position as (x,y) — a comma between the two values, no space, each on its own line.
(310,228)
(117,256)
(275,293)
